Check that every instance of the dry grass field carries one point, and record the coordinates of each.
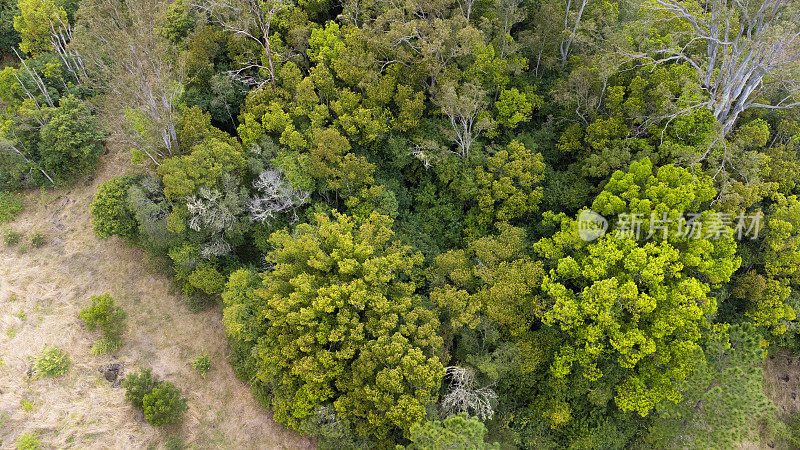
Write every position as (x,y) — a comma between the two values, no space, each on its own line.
(41,292)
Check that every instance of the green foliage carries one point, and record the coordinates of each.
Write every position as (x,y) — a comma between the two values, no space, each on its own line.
(107,317)
(111,214)
(723,399)
(71,141)
(662,286)
(9,37)
(28,441)
(161,401)
(403,192)
(10,206)
(178,22)
(34,23)
(105,345)
(137,385)
(508,185)
(11,236)
(163,405)
(38,239)
(340,301)
(204,166)
(455,432)
(52,362)
(202,364)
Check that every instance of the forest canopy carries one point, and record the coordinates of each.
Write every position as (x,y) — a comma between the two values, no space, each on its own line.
(447,224)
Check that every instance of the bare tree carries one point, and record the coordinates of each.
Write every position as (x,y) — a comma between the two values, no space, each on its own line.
(740,50)
(463,109)
(123,54)
(250,20)
(216,211)
(8,146)
(464,395)
(572,20)
(275,196)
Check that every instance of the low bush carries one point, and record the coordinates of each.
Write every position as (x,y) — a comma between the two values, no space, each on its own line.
(202,364)
(110,213)
(52,362)
(161,401)
(164,405)
(38,239)
(11,237)
(137,385)
(107,317)
(28,441)
(10,206)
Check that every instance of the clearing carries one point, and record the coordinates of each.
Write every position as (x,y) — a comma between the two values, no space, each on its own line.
(41,292)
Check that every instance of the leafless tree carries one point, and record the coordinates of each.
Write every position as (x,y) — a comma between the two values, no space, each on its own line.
(123,54)
(463,109)
(216,211)
(740,50)
(572,21)
(252,21)
(464,395)
(6,146)
(276,195)
(60,37)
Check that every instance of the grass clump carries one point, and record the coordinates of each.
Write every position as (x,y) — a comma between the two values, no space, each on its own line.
(202,364)
(28,441)
(52,362)
(38,239)
(11,237)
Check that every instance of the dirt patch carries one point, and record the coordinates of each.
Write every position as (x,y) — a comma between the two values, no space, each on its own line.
(782,373)
(41,292)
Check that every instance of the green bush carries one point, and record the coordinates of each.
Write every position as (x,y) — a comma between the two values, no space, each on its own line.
(110,213)
(161,401)
(28,441)
(11,237)
(10,206)
(71,141)
(52,362)
(202,364)
(104,315)
(38,239)
(164,405)
(137,385)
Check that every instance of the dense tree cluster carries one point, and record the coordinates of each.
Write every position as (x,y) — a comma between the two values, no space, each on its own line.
(390,200)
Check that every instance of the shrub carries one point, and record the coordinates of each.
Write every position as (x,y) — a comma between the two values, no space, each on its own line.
(161,401)
(137,385)
(202,364)
(104,315)
(52,362)
(71,141)
(38,239)
(28,441)
(10,206)
(110,213)
(164,405)
(11,237)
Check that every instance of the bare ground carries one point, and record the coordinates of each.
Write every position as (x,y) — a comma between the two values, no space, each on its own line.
(41,292)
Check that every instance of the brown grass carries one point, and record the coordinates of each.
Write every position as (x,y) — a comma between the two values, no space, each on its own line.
(41,292)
